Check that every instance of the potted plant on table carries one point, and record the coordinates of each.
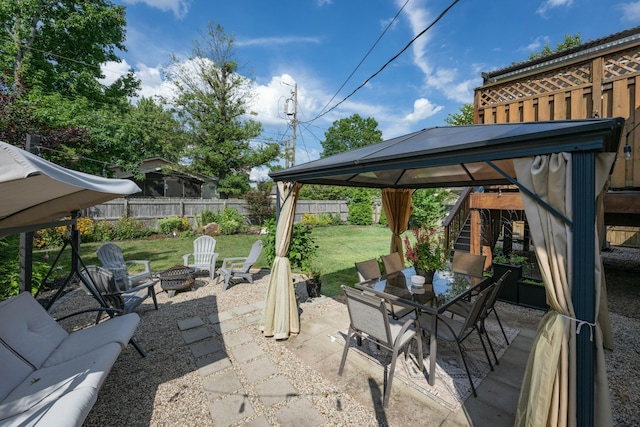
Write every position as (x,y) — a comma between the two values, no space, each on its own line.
(426,252)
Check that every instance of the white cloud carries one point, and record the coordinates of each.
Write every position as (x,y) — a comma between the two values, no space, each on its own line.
(535,45)
(259,174)
(422,108)
(550,4)
(178,7)
(442,79)
(273,41)
(630,11)
(151,82)
(323,2)
(112,71)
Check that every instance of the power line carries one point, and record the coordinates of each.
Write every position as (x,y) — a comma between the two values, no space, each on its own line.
(364,57)
(442,14)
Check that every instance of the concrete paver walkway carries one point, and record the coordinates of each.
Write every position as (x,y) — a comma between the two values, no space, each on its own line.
(233,366)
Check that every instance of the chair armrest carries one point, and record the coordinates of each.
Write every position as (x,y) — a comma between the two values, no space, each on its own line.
(185,258)
(142,286)
(146,263)
(233,260)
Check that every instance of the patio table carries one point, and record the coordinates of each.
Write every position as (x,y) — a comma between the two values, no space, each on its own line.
(448,287)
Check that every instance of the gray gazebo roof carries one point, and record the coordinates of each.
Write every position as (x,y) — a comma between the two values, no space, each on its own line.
(455,155)
(483,155)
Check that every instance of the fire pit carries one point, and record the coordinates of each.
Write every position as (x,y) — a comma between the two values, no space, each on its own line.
(177,278)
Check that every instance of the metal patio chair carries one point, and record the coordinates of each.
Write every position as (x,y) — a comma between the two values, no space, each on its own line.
(369,319)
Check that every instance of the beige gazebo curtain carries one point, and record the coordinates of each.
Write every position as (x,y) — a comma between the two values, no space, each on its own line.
(280,316)
(396,203)
(548,392)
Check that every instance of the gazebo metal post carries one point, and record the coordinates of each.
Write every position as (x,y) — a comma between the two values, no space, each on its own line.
(583,292)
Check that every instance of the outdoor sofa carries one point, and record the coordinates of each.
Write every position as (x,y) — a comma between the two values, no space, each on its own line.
(49,377)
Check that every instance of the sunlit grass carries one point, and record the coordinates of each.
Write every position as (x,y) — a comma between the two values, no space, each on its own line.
(339,247)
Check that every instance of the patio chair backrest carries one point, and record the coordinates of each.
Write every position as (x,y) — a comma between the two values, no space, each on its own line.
(369,269)
(466,263)
(491,299)
(204,248)
(256,250)
(368,314)
(392,262)
(104,284)
(111,258)
(478,307)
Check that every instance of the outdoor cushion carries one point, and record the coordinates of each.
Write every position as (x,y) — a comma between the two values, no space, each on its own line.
(63,412)
(48,385)
(13,370)
(27,328)
(117,330)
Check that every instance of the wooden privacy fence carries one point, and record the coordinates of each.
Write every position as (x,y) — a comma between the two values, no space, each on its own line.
(604,86)
(151,210)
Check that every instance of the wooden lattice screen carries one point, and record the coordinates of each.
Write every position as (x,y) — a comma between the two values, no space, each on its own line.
(604,86)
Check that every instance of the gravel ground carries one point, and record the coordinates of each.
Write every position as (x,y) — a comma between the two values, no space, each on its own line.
(164,389)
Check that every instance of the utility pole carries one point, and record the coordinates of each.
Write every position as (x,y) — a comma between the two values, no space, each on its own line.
(294,121)
(286,153)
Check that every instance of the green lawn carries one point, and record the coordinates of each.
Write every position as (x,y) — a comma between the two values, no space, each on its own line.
(339,247)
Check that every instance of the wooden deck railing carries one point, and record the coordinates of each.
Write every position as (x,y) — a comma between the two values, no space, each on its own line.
(454,223)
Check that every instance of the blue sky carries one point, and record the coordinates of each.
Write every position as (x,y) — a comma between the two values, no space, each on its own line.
(318,44)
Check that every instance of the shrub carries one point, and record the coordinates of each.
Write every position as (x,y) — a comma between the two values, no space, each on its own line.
(102,232)
(129,228)
(85,227)
(360,208)
(174,223)
(10,268)
(49,237)
(231,222)
(303,248)
(383,218)
(207,216)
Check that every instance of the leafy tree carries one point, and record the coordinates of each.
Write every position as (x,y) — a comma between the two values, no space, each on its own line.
(211,98)
(429,207)
(569,41)
(325,192)
(21,116)
(59,46)
(234,185)
(259,201)
(349,133)
(464,117)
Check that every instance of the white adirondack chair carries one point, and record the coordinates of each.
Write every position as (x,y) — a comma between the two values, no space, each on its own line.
(204,255)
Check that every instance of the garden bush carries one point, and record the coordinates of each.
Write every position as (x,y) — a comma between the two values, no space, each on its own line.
(207,217)
(360,208)
(174,223)
(129,228)
(10,268)
(303,248)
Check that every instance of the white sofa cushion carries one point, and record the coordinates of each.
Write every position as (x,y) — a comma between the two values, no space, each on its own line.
(13,370)
(118,330)
(27,328)
(47,385)
(69,411)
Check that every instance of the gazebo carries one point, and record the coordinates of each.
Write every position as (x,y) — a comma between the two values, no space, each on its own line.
(561,169)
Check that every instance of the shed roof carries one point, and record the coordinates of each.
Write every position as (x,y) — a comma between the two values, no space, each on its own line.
(454,156)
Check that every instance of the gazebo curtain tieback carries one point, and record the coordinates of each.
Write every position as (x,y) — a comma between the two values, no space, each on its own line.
(581,323)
